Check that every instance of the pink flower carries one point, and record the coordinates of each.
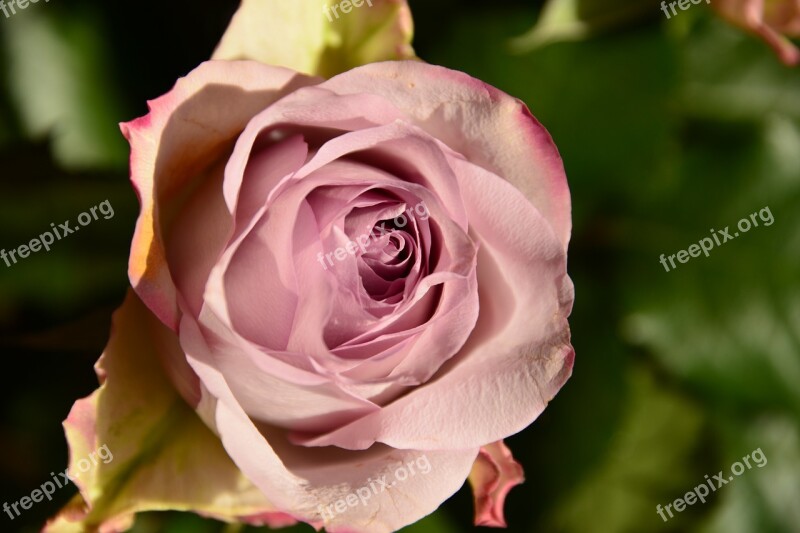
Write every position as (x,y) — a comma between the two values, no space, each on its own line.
(349,276)
(771,20)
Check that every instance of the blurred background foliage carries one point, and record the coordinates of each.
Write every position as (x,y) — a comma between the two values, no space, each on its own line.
(668,128)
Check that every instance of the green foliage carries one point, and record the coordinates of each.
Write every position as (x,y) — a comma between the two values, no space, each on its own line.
(61,85)
(638,471)
(667,128)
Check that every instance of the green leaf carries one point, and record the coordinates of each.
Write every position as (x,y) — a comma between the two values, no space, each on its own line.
(649,460)
(435,523)
(763,498)
(58,80)
(572,20)
(728,323)
(88,267)
(732,76)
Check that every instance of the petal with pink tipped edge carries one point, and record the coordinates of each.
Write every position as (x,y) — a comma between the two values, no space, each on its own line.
(771,20)
(163,456)
(487,126)
(493,475)
(176,146)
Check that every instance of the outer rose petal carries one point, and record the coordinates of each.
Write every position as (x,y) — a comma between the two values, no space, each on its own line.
(164,457)
(187,131)
(490,128)
(784,16)
(266,31)
(306,481)
(493,475)
(768,19)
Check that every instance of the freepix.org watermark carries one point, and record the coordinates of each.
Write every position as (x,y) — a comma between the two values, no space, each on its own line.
(707,244)
(13,5)
(48,238)
(374,487)
(711,484)
(48,488)
(345,5)
(363,241)
(683,4)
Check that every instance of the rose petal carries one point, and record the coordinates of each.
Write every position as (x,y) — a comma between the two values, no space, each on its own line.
(298,399)
(487,126)
(187,131)
(305,482)
(493,475)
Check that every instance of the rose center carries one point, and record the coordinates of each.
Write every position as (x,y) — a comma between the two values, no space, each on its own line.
(388,260)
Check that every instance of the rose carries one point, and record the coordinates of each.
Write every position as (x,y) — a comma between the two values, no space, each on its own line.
(394,346)
(771,20)
(442,337)
(447,334)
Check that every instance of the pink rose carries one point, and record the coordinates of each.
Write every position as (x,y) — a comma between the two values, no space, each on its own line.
(358,277)
(771,20)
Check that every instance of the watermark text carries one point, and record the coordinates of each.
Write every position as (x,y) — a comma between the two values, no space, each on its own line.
(706,244)
(48,488)
(377,486)
(48,238)
(711,484)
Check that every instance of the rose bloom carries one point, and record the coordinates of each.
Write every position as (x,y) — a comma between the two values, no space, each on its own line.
(774,21)
(354,276)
